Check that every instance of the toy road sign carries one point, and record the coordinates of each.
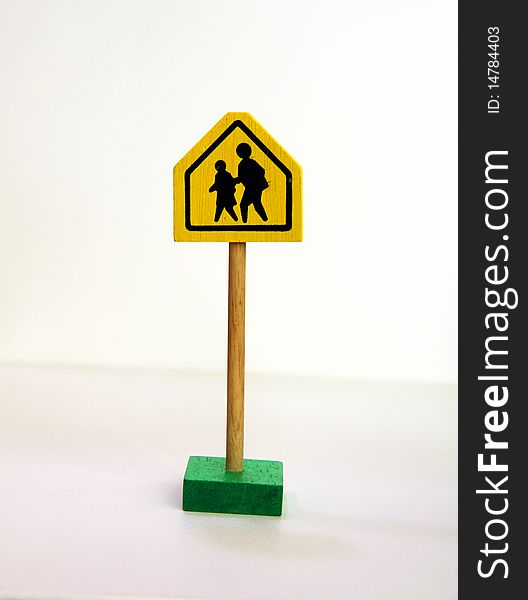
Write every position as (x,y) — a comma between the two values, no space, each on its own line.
(237,185)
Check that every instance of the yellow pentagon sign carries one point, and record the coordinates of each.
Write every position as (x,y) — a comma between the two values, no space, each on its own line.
(237,185)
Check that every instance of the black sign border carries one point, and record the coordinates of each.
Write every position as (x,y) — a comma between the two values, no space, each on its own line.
(289,188)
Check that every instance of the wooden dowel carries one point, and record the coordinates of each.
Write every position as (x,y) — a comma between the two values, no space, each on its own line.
(235,356)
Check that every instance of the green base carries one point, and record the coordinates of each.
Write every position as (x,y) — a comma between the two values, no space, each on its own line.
(257,490)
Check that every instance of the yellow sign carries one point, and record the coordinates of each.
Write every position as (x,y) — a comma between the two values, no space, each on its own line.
(237,185)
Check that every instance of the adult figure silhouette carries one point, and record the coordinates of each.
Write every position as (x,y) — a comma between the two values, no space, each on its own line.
(252,176)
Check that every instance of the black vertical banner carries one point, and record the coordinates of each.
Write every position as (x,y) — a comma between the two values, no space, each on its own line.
(493,258)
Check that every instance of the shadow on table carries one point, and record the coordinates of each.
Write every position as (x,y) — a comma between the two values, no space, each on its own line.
(258,534)
(282,535)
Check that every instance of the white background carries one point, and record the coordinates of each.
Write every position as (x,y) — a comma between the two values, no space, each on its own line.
(100,99)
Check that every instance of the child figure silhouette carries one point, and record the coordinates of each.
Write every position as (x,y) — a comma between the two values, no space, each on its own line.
(224,186)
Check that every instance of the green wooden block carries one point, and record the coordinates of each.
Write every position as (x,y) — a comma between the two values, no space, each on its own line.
(257,490)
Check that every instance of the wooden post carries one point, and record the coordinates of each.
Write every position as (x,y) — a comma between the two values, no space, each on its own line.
(235,356)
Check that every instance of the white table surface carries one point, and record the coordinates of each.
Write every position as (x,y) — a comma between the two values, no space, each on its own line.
(91,466)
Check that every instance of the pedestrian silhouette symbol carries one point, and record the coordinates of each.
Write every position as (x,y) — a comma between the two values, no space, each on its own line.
(224,186)
(252,176)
